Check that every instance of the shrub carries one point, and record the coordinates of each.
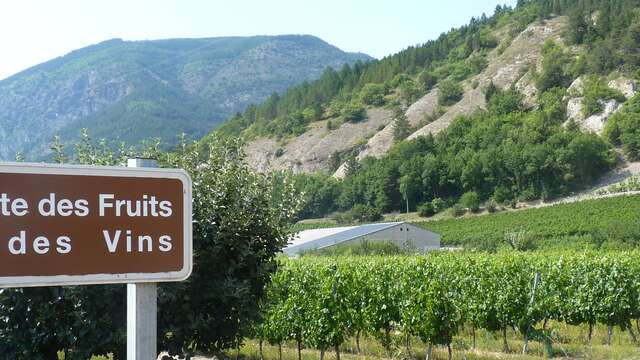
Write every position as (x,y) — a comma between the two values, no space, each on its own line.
(427,80)
(438,205)
(505,102)
(553,104)
(520,241)
(476,63)
(528,194)
(502,194)
(365,213)
(333,124)
(333,109)
(553,72)
(426,210)
(470,200)
(353,112)
(449,92)
(513,203)
(398,80)
(489,91)
(358,213)
(595,91)
(409,91)
(491,206)
(373,94)
(504,44)
(279,152)
(101,357)
(623,128)
(458,210)
(339,217)
(312,113)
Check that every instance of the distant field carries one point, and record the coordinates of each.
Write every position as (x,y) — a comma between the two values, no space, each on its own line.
(605,221)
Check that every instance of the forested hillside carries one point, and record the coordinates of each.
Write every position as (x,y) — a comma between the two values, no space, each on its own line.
(524,104)
(133,90)
(531,103)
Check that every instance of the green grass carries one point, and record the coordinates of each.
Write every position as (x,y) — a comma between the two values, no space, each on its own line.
(572,343)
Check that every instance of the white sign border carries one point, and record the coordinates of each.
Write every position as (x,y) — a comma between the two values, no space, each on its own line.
(109,171)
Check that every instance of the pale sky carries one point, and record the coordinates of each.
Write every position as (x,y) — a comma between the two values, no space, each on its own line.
(34,31)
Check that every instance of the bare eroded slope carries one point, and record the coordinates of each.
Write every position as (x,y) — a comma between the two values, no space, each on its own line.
(310,151)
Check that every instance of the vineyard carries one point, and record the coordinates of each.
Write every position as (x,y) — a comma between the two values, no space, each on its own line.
(321,302)
(608,222)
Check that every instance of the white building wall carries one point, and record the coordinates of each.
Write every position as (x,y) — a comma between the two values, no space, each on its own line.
(402,234)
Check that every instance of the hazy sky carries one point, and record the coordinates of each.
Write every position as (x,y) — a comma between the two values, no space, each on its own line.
(33,31)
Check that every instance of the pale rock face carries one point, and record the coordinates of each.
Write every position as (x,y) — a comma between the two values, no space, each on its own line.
(576,86)
(626,86)
(574,100)
(341,172)
(596,122)
(526,86)
(311,151)
(574,109)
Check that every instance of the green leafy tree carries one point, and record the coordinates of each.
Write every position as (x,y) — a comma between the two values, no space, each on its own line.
(505,102)
(489,91)
(470,200)
(554,67)
(426,210)
(449,92)
(238,229)
(427,80)
(623,128)
(233,261)
(353,112)
(373,94)
(364,213)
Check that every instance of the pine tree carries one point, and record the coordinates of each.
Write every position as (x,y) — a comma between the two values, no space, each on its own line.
(401,127)
(351,166)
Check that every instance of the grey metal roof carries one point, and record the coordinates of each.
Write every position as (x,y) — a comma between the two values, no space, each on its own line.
(321,238)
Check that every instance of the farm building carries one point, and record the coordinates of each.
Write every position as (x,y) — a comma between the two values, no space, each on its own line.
(402,234)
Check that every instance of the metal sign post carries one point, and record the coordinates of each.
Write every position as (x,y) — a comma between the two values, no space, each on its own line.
(142,307)
(142,313)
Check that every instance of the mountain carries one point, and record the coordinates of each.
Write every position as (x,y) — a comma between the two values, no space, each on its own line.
(534,102)
(133,90)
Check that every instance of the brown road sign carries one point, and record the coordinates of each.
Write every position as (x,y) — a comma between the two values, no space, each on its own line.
(71,225)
